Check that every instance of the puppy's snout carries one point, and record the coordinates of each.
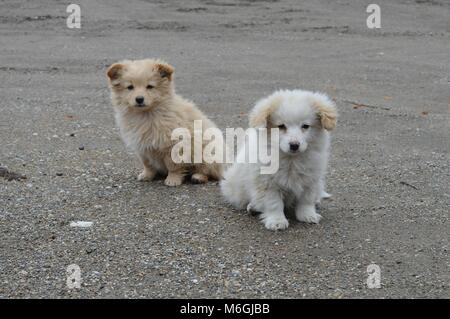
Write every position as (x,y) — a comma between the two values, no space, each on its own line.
(294,146)
(139,100)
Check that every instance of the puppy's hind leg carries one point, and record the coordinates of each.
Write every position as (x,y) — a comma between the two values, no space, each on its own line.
(321,193)
(325,195)
(233,189)
(215,171)
(200,174)
(199,178)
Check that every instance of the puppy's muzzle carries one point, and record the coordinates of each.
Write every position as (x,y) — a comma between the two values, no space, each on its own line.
(294,147)
(139,101)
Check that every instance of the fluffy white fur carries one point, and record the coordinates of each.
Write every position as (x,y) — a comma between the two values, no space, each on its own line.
(304,119)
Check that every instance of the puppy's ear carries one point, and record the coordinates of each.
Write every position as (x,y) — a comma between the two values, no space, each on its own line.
(115,71)
(165,70)
(326,111)
(259,116)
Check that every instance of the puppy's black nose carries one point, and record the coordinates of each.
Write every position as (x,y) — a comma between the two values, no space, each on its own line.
(140,100)
(294,146)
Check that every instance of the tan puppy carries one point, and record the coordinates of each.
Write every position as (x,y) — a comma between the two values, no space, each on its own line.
(147,110)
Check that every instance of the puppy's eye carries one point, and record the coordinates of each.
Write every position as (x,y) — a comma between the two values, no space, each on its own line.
(130,87)
(282,127)
(149,87)
(305,126)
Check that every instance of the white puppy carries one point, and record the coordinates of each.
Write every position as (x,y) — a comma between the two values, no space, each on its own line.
(303,119)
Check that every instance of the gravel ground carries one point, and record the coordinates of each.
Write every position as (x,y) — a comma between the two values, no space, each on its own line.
(389,170)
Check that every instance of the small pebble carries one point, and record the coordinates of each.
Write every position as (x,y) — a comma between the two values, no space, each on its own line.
(81,224)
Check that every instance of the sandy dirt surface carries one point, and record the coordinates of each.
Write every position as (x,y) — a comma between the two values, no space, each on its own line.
(389,171)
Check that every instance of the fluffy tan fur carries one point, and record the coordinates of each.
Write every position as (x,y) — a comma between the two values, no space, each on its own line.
(327,115)
(147,127)
(259,117)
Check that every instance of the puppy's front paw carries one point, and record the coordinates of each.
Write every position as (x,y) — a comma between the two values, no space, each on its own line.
(275,222)
(173,180)
(146,176)
(307,214)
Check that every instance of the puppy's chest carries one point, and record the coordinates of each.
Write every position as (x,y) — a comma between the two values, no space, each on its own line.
(142,133)
(293,178)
